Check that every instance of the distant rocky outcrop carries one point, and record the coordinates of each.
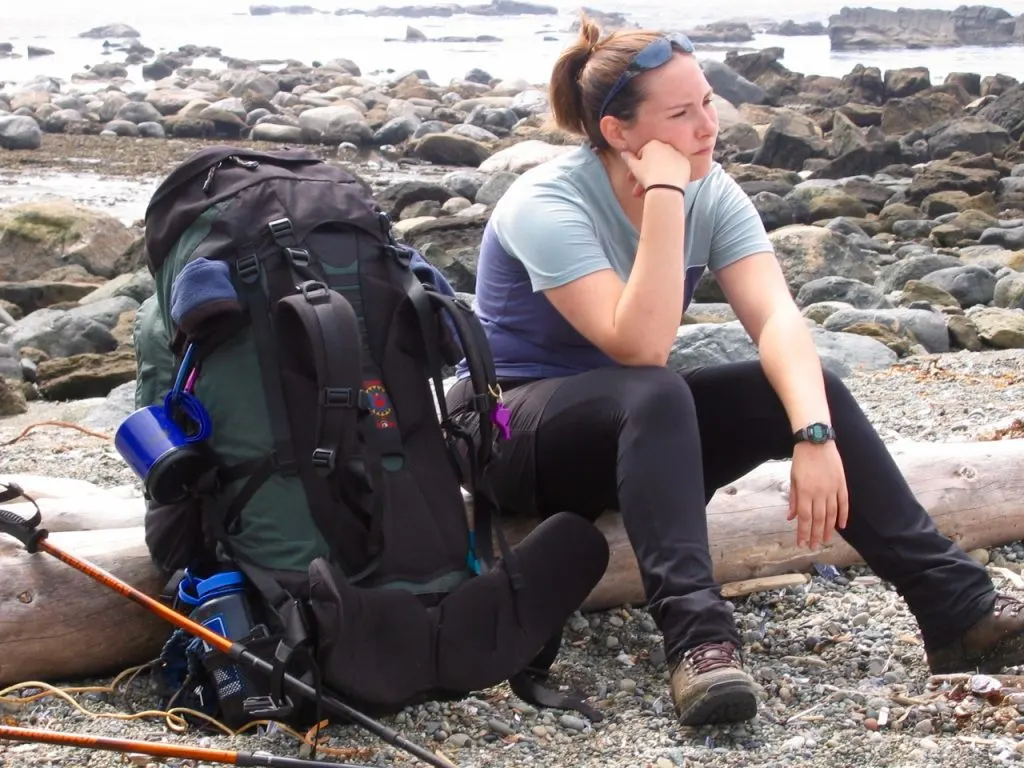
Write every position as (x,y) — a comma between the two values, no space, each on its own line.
(494,8)
(871,28)
(110,30)
(722,32)
(790,28)
(292,10)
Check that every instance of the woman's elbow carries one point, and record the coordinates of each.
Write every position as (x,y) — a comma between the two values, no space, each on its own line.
(643,355)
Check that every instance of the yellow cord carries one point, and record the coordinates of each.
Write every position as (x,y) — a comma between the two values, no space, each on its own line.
(172,717)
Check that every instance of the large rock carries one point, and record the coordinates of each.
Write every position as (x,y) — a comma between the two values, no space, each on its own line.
(88,375)
(399,196)
(731,85)
(1009,291)
(452,244)
(918,326)
(59,334)
(901,116)
(998,327)
(970,284)
(714,343)
(808,252)
(842,289)
(943,176)
(1007,111)
(791,140)
(20,132)
(968,134)
(36,294)
(38,236)
(523,156)
(451,149)
(963,229)
(893,277)
(12,399)
(334,125)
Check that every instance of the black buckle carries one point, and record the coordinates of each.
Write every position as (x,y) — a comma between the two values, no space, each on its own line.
(313,291)
(265,708)
(280,227)
(248,268)
(324,458)
(299,257)
(335,397)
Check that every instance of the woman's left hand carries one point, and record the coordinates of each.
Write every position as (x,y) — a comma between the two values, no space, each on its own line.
(817,496)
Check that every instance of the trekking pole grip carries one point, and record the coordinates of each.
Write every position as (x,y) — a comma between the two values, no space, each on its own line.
(23,530)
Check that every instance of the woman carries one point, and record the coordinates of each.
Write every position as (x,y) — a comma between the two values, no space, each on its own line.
(586,267)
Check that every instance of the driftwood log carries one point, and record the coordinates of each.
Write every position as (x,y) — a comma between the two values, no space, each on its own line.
(58,624)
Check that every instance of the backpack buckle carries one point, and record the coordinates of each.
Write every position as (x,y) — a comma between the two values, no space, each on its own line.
(324,458)
(265,708)
(335,397)
(313,291)
(299,257)
(248,268)
(280,227)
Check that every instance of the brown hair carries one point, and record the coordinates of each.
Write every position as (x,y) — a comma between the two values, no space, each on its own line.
(584,74)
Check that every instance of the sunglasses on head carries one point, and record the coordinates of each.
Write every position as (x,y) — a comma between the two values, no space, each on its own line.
(655,54)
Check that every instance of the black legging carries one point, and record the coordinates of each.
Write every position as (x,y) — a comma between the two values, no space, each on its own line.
(656,445)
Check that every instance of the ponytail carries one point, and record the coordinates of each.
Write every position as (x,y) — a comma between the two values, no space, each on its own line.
(565,92)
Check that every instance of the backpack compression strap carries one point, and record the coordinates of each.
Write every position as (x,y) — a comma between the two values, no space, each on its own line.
(328,323)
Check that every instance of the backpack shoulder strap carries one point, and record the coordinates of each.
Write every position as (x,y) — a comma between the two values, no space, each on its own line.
(327,323)
(486,402)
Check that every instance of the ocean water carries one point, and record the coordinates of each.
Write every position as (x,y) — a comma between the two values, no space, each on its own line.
(377,45)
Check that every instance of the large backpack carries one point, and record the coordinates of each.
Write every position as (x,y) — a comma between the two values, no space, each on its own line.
(301,347)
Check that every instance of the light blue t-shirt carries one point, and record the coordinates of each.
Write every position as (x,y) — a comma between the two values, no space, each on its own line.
(560,221)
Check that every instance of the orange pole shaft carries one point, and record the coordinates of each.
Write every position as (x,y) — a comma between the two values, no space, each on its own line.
(215,640)
(118,745)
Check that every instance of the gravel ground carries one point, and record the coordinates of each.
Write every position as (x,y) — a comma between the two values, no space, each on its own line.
(842,669)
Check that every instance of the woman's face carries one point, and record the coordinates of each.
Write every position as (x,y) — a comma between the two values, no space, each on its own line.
(677,110)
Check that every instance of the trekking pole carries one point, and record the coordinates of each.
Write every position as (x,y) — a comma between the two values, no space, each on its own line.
(200,754)
(35,540)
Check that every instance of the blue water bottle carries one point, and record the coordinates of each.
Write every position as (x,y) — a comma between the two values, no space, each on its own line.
(220,604)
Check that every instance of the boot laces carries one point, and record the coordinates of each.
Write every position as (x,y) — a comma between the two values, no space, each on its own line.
(1009,604)
(708,656)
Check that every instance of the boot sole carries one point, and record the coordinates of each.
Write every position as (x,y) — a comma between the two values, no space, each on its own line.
(732,701)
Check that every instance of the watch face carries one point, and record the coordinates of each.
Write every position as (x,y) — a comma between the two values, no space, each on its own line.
(818,433)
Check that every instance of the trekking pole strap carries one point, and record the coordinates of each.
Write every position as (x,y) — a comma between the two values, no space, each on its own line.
(27,531)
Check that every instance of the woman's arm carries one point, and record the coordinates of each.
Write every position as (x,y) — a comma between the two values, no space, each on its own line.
(756,289)
(634,322)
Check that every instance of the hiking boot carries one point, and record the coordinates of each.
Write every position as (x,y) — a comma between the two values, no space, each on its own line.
(995,642)
(709,685)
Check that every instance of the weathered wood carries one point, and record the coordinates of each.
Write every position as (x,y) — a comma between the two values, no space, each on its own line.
(763,584)
(45,487)
(91,512)
(973,491)
(72,627)
(58,624)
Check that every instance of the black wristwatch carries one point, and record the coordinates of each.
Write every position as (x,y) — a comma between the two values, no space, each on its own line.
(817,433)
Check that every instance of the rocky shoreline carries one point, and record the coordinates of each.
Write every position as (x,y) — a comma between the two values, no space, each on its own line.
(896,206)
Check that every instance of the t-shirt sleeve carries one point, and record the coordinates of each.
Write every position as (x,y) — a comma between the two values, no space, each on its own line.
(738,230)
(553,237)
